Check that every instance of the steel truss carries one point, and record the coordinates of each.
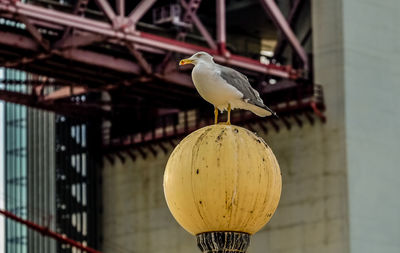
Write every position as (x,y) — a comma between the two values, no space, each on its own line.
(81,54)
(122,28)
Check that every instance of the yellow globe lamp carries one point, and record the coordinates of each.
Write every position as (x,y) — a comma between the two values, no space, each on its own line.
(222,183)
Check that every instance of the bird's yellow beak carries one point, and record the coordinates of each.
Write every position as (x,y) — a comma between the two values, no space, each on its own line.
(185,61)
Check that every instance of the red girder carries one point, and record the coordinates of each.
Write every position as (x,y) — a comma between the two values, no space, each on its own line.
(120,31)
(47,232)
(307,107)
(51,17)
(277,17)
(68,109)
(190,16)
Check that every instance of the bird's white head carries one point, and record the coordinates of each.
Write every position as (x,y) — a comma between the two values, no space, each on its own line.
(197,58)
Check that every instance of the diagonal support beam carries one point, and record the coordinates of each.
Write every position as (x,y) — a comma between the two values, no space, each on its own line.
(140,59)
(280,21)
(139,11)
(221,26)
(106,8)
(120,6)
(282,42)
(79,10)
(191,7)
(202,29)
(148,40)
(35,33)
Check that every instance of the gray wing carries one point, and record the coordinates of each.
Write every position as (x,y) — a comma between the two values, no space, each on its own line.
(240,82)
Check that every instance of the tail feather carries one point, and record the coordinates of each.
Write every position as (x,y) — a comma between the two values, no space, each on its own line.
(259,109)
(271,111)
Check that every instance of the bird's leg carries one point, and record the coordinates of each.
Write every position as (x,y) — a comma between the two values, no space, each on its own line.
(228,122)
(215,115)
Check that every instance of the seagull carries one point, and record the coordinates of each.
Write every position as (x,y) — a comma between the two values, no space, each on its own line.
(224,87)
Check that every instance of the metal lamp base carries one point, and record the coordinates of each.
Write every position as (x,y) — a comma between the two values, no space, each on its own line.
(223,242)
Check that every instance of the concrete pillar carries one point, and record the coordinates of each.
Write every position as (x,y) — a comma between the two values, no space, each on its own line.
(371,48)
(356,53)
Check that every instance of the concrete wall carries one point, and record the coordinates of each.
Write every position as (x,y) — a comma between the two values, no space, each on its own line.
(372,89)
(135,215)
(311,216)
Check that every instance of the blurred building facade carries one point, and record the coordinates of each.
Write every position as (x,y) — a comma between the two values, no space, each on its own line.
(15,166)
(50,178)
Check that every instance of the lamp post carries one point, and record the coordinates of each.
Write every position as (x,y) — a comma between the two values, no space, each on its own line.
(222,184)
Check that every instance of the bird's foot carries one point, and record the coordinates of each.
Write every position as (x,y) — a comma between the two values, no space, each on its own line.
(228,123)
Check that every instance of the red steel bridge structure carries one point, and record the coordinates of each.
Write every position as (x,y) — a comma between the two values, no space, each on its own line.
(95,59)
(106,52)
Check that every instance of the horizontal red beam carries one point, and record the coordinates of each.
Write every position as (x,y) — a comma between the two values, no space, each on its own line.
(234,60)
(71,109)
(87,57)
(98,27)
(80,55)
(47,232)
